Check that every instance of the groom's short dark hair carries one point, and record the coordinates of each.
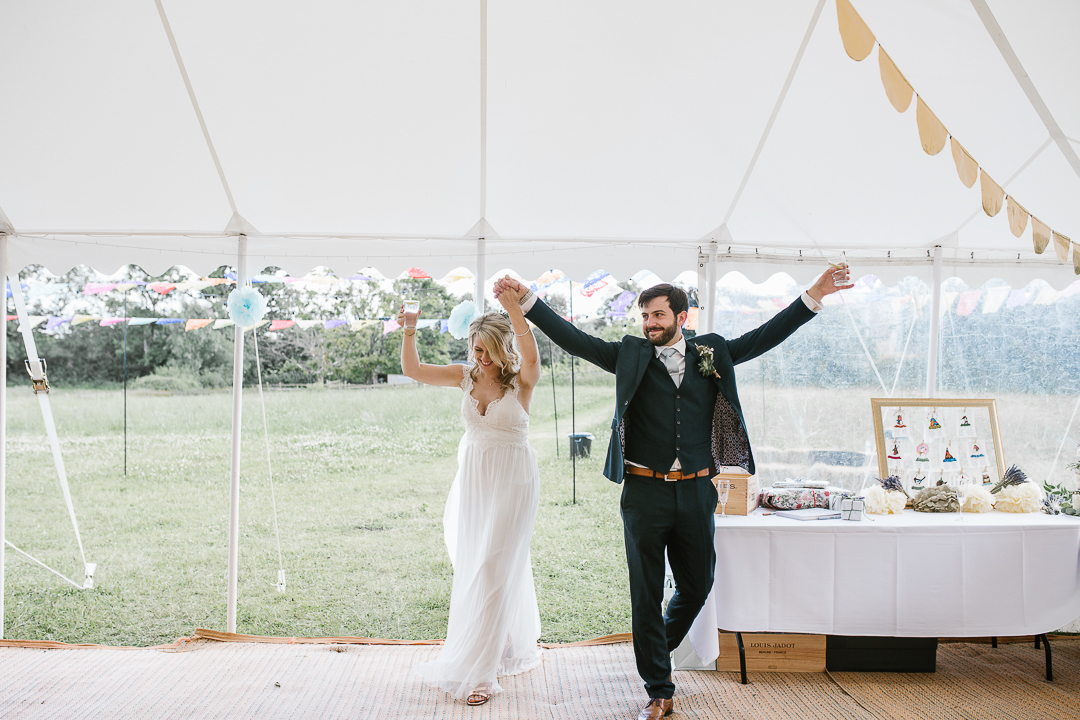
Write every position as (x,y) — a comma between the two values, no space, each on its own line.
(675,296)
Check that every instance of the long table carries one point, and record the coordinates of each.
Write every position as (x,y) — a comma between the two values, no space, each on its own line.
(907,575)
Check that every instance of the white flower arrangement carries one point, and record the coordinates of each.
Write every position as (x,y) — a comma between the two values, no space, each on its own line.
(880,501)
(1023,498)
(979,501)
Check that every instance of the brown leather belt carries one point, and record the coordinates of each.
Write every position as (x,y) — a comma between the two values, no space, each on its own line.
(669,476)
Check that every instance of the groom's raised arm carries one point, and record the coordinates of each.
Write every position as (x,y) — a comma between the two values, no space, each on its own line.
(599,352)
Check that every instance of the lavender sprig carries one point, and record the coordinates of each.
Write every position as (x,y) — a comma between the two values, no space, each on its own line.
(893,483)
(1013,476)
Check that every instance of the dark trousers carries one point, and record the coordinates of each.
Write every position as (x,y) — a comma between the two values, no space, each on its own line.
(678,516)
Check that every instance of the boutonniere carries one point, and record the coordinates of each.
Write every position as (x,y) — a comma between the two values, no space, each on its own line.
(705,364)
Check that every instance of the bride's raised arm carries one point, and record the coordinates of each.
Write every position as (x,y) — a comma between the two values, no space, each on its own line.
(529,374)
(443,375)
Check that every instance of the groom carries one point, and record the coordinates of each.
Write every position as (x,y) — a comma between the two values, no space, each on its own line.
(677,423)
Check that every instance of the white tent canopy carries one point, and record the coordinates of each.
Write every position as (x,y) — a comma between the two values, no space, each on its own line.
(614,135)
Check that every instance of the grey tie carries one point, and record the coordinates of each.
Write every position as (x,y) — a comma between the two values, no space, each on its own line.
(671,363)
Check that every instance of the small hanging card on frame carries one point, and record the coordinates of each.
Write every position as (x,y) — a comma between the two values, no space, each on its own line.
(938,438)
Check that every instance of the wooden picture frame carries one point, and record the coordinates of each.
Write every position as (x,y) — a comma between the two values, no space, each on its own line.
(880,405)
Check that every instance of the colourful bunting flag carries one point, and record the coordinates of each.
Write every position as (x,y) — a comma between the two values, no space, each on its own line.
(308,324)
(547,280)
(16,317)
(55,322)
(35,320)
(418,274)
(194,324)
(219,324)
(281,324)
(80,319)
(106,322)
(98,288)
(169,321)
(1017,298)
(358,276)
(331,324)
(141,321)
(595,282)
(390,326)
(968,301)
(162,288)
(995,297)
(426,323)
(444,326)
(692,318)
(622,303)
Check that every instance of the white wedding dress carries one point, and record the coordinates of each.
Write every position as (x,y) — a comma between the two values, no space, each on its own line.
(494,619)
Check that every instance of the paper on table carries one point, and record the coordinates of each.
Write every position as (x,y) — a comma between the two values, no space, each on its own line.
(810,514)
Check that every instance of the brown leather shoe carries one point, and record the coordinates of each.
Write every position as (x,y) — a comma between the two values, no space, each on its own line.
(657,708)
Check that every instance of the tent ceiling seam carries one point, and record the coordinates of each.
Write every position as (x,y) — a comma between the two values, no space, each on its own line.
(1026,83)
(195,104)
(776,111)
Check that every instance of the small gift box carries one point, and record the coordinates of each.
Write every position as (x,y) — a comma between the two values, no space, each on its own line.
(851,509)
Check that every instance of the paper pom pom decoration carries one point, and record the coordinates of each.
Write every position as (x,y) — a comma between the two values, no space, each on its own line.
(461,317)
(246,306)
(880,501)
(1024,498)
(979,500)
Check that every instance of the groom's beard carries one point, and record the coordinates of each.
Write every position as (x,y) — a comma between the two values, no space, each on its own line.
(665,335)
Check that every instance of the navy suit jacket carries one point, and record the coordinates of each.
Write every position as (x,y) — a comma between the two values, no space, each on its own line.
(628,359)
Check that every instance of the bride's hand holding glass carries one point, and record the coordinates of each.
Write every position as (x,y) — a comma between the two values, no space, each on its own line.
(408,319)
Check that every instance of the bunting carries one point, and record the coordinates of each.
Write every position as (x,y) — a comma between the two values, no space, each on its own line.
(858,42)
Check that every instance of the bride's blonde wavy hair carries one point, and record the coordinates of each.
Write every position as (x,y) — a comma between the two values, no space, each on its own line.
(495,331)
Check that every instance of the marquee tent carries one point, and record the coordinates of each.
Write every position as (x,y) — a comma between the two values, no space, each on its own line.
(583,136)
(572,135)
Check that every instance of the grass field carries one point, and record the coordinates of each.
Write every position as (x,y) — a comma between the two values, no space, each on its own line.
(361,479)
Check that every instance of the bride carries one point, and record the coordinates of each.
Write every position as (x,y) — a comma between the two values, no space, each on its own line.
(494,620)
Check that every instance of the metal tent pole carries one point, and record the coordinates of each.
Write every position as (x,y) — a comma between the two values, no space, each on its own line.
(125,379)
(238,404)
(573,405)
(3,433)
(554,405)
(935,322)
(481,272)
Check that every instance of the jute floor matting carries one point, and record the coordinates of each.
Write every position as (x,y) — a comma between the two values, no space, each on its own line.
(205,678)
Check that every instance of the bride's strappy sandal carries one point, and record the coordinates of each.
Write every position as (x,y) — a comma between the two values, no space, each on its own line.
(477,698)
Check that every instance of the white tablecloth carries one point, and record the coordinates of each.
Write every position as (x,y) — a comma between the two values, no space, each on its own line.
(909,575)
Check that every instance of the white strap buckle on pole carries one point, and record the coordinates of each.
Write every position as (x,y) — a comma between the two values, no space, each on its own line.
(39,379)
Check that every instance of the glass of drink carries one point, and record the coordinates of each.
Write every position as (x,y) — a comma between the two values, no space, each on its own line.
(412,307)
(963,491)
(723,487)
(841,270)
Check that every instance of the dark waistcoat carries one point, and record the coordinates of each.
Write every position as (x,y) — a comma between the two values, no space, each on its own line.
(664,421)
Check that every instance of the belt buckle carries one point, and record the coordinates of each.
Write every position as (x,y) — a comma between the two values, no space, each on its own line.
(671,479)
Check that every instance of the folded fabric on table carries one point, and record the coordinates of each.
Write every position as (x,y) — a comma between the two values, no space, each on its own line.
(799,498)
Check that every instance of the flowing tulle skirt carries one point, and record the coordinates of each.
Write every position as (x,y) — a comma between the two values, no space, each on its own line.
(494,619)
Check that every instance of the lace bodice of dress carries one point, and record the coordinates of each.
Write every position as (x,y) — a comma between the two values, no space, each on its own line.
(504,421)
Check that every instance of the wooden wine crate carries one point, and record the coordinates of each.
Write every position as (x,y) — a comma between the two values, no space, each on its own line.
(743,494)
(773,652)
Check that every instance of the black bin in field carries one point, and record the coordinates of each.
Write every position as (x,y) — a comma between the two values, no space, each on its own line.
(580,444)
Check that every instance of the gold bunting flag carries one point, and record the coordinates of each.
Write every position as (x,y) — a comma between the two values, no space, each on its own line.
(897,88)
(858,40)
(931,132)
(80,319)
(966,167)
(1061,245)
(1076,261)
(1040,235)
(992,194)
(1018,217)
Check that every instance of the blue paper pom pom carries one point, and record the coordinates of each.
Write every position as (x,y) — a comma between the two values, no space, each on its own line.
(247,306)
(461,317)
